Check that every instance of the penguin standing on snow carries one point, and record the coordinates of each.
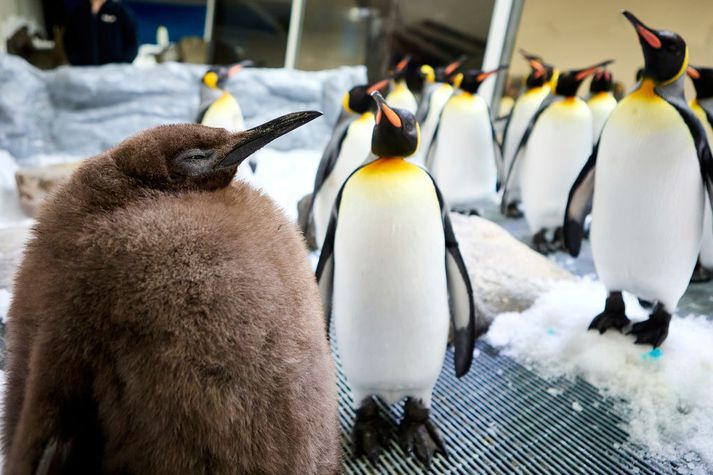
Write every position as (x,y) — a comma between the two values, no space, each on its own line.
(349,148)
(218,108)
(400,96)
(555,145)
(537,88)
(165,321)
(643,182)
(601,99)
(702,106)
(465,155)
(392,278)
(437,91)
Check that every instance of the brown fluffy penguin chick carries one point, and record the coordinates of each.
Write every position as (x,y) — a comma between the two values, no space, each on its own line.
(164,322)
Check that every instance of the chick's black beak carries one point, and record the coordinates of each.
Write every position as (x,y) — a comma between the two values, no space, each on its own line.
(645,33)
(251,140)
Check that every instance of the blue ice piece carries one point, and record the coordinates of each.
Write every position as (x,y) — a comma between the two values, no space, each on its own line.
(551,331)
(652,355)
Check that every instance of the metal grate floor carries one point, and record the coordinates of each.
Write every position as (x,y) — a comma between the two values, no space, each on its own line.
(503,419)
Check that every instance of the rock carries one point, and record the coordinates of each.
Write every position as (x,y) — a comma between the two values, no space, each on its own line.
(507,275)
(306,227)
(34,184)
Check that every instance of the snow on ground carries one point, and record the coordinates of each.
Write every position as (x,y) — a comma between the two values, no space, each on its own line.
(667,393)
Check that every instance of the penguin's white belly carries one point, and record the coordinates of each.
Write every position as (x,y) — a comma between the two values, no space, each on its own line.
(437,100)
(354,151)
(522,112)
(401,97)
(464,158)
(648,202)
(601,106)
(559,145)
(390,295)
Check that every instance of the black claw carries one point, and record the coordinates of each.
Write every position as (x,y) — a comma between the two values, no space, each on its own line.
(654,330)
(369,433)
(613,316)
(418,435)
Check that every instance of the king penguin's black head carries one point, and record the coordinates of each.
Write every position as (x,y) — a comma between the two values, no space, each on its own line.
(569,81)
(217,76)
(540,72)
(665,53)
(442,73)
(702,80)
(396,133)
(358,99)
(190,156)
(470,80)
(602,81)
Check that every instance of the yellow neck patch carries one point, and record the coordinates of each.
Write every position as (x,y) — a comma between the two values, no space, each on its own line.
(388,166)
(646,91)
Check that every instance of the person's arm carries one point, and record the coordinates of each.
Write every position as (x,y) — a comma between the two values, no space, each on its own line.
(129,35)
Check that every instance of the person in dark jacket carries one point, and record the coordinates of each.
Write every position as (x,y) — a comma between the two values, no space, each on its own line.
(100,32)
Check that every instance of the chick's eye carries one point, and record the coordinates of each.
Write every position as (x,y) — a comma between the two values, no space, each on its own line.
(192,154)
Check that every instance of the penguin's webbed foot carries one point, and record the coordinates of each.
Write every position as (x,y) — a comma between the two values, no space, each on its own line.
(541,244)
(613,316)
(654,330)
(701,274)
(370,432)
(418,435)
(512,210)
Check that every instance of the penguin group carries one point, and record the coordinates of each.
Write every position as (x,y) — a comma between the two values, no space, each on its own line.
(197,315)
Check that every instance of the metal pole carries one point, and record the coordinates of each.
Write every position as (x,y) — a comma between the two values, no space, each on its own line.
(495,44)
(294,34)
(209,17)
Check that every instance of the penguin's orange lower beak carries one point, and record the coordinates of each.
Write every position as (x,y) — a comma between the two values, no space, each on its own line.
(643,31)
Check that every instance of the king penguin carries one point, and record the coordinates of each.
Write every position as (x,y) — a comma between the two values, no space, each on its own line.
(349,148)
(538,85)
(165,320)
(645,185)
(392,278)
(464,156)
(555,145)
(400,96)
(219,108)
(437,91)
(601,99)
(702,106)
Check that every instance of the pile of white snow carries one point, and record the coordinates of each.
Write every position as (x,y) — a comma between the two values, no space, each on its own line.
(668,391)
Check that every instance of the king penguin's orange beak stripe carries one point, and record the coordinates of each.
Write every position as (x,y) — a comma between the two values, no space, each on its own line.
(377,86)
(484,76)
(403,63)
(649,37)
(583,74)
(390,115)
(693,72)
(537,66)
(234,70)
(452,67)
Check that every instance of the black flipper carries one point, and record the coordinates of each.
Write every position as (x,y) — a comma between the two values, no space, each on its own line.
(327,163)
(547,102)
(460,295)
(579,204)
(499,162)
